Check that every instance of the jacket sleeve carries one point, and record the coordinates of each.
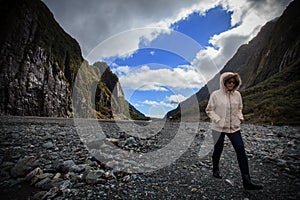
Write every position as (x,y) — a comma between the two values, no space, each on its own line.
(240,108)
(210,109)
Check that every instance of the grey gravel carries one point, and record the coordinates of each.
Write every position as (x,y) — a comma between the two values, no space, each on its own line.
(44,158)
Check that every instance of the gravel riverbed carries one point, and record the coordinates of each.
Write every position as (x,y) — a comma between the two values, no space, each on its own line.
(53,158)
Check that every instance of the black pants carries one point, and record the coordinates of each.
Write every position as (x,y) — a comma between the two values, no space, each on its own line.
(238,145)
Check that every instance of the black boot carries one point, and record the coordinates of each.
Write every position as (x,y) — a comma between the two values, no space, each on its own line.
(248,185)
(216,171)
(217,174)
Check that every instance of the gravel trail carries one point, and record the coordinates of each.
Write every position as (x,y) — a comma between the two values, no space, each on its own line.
(47,158)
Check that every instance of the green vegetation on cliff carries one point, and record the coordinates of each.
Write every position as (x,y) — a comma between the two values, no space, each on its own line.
(276,100)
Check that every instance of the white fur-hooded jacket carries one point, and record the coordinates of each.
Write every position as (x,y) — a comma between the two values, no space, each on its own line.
(224,107)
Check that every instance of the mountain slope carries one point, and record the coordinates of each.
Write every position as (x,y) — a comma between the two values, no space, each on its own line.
(271,52)
(39,65)
(98,93)
(38,61)
(275,100)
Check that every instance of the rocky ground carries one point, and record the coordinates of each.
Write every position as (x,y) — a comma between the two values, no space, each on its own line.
(51,158)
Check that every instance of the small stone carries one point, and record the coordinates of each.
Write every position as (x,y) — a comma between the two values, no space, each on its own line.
(63,166)
(130,141)
(281,162)
(43,183)
(48,145)
(78,168)
(94,177)
(45,175)
(39,195)
(57,175)
(65,185)
(23,166)
(229,182)
(126,178)
(114,140)
(36,172)
(51,193)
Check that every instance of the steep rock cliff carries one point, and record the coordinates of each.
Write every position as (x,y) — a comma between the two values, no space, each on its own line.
(38,61)
(98,94)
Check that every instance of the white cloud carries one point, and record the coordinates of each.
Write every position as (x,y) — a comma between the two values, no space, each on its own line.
(150,102)
(116,28)
(161,79)
(159,108)
(250,16)
(120,70)
(123,44)
(95,22)
(159,103)
(175,99)
(211,59)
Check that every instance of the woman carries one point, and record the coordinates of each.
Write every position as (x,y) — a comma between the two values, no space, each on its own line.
(225,111)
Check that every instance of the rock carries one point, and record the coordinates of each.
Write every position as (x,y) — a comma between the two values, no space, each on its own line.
(48,145)
(44,183)
(229,182)
(23,166)
(68,164)
(37,81)
(130,141)
(63,166)
(39,195)
(126,178)
(113,140)
(57,176)
(78,168)
(281,162)
(45,175)
(95,177)
(34,173)
(65,185)
(53,192)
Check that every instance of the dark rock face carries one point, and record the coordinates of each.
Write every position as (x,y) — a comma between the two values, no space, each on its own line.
(275,48)
(31,89)
(38,61)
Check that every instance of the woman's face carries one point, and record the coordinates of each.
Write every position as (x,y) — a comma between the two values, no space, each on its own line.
(230,84)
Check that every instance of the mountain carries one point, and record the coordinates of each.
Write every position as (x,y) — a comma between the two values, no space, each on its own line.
(38,61)
(98,93)
(269,68)
(40,65)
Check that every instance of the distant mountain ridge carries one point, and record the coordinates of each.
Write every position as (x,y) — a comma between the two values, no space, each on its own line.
(39,64)
(274,52)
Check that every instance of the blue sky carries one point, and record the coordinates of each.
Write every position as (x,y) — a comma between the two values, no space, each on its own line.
(163,51)
(202,27)
(157,102)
